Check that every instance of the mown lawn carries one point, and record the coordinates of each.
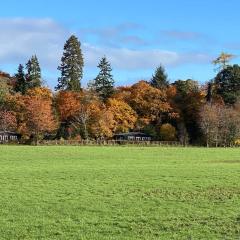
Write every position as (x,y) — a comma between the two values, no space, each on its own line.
(119,193)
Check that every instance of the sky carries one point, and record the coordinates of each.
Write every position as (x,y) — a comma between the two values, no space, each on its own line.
(136,36)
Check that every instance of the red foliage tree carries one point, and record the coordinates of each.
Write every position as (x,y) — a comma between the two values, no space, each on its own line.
(39,117)
(8,121)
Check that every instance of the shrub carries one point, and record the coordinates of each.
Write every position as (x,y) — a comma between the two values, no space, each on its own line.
(167,132)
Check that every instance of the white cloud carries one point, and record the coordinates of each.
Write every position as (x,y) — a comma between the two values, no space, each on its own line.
(123,58)
(20,38)
(115,36)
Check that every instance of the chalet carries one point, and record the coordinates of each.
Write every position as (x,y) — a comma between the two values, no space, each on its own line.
(6,137)
(132,136)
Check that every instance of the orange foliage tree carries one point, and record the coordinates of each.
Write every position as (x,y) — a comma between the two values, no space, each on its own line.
(150,103)
(39,117)
(67,103)
(102,123)
(87,108)
(85,114)
(124,116)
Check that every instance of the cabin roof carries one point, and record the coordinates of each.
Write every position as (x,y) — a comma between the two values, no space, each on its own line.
(131,134)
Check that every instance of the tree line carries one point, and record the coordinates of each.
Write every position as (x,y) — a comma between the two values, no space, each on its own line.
(185,111)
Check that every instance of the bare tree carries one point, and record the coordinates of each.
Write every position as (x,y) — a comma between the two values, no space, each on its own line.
(81,119)
(220,124)
(84,114)
(208,123)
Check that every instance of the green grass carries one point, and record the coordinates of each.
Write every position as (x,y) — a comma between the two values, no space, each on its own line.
(119,193)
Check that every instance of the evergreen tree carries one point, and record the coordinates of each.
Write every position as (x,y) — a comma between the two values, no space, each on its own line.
(103,84)
(71,66)
(21,82)
(34,78)
(159,79)
(227,84)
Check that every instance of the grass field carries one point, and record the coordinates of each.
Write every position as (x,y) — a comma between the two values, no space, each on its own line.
(119,193)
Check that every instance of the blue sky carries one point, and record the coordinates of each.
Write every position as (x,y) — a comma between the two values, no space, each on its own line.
(136,36)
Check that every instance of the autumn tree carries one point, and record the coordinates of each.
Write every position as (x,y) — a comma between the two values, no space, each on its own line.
(149,103)
(160,79)
(6,87)
(102,124)
(8,121)
(4,91)
(67,104)
(39,117)
(171,92)
(14,103)
(123,115)
(71,67)
(34,113)
(123,93)
(42,92)
(85,113)
(34,78)
(223,60)
(103,84)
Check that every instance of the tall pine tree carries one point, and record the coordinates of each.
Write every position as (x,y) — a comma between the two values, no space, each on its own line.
(103,84)
(21,82)
(71,66)
(34,78)
(160,78)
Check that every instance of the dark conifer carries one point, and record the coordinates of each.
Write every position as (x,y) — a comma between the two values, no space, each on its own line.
(71,66)
(21,82)
(159,79)
(103,84)
(33,76)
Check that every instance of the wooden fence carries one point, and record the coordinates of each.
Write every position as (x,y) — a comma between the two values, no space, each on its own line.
(108,143)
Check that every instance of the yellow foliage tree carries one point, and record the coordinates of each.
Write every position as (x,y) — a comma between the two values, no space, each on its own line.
(223,60)
(124,116)
(42,92)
